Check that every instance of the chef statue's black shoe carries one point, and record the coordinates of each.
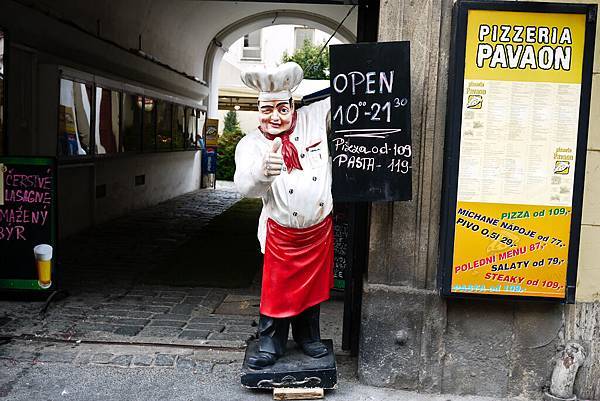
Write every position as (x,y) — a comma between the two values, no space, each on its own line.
(261,360)
(315,349)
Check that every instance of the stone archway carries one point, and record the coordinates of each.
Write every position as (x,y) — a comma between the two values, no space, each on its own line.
(225,38)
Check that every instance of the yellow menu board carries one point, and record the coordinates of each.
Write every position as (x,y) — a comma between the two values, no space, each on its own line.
(211,134)
(518,143)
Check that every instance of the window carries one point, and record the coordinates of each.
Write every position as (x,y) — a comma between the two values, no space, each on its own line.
(163,125)
(149,125)
(74,136)
(178,127)
(251,49)
(94,120)
(132,123)
(107,121)
(302,35)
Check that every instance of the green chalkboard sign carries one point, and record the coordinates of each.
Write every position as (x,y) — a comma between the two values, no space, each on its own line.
(27,220)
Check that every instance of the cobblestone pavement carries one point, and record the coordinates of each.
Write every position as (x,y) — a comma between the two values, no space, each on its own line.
(102,269)
(44,370)
(115,338)
(35,351)
(114,255)
(108,303)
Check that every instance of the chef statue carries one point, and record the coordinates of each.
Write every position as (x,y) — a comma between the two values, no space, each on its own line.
(286,163)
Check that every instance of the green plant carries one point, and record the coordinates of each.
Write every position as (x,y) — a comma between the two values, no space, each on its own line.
(315,66)
(232,133)
(231,122)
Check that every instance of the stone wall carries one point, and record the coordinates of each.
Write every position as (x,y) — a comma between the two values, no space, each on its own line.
(411,338)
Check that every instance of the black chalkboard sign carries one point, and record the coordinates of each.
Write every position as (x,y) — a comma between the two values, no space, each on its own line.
(27,219)
(370,115)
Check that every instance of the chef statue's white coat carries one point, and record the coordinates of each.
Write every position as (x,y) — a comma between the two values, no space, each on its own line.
(298,199)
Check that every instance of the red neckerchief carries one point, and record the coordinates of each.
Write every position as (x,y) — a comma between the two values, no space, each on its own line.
(288,150)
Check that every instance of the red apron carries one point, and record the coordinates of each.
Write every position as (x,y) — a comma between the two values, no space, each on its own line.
(298,268)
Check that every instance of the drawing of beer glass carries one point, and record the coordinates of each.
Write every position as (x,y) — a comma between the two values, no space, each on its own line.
(43,262)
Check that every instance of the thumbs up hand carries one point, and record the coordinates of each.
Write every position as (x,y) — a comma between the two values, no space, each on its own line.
(273,161)
(276,145)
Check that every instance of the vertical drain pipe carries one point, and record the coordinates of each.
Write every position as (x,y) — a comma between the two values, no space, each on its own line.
(563,376)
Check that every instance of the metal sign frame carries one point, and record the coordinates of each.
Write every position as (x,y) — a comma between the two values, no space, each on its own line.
(453,138)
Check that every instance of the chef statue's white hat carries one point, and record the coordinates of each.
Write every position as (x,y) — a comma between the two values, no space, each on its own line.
(274,83)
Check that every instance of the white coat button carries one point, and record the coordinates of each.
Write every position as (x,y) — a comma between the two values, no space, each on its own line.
(291,191)
(295,214)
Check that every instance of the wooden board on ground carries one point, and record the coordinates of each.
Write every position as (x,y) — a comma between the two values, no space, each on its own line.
(297,393)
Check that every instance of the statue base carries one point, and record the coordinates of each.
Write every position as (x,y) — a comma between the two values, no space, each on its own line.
(293,370)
